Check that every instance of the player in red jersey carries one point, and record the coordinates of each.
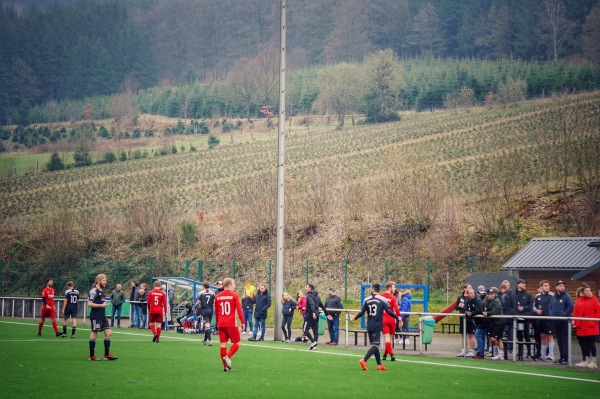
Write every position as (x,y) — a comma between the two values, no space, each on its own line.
(157,308)
(227,304)
(48,309)
(389,323)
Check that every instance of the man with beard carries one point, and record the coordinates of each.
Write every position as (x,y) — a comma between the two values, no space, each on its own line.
(48,309)
(97,303)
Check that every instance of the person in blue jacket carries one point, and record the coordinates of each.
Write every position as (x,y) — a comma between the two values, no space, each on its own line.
(561,305)
(262,301)
(406,306)
(288,315)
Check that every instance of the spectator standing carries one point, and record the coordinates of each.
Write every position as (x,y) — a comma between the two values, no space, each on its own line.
(561,305)
(587,305)
(470,311)
(117,297)
(288,315)
(70,308)
(97,303)
(157,310)
(507,309)
(48,309)
(171,297)
(333,301)
(374,306)
(205,310)
(405,306)
(134,320)
(541,307)
(493,307)
(522,302)
(301,300)
(248,307)
(143,305)
(475,308)
(460,307)
(137,306)
(227,304)
(262,300)
(311,318)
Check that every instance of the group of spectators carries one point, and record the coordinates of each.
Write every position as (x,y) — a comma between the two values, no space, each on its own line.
(520,303)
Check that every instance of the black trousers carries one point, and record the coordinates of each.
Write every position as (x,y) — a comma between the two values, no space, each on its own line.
(561,334)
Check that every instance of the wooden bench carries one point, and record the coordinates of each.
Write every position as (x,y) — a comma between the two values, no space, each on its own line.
(450,326)
(401,335)
(521,344)
(358,331)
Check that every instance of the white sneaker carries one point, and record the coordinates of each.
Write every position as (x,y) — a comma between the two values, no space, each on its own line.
(313,346)
(582,364)
(461,354)
(499,356)
(407,341)
(470,354)
(243,332)
(227,361)
(209,343)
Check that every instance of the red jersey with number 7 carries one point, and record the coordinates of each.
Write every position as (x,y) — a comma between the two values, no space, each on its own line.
(157,301)
(227,303)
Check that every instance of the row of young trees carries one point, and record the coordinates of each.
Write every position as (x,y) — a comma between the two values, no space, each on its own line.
(338,89)
(73,49)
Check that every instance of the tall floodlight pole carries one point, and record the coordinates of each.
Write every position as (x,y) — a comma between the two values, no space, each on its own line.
(280,177)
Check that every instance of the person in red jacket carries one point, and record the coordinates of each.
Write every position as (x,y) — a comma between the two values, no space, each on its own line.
(587,305)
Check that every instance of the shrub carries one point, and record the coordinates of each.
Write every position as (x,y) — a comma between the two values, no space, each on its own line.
(109,157)
(213,141)
(55,163)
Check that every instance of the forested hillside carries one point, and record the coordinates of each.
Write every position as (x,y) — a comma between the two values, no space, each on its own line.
(56,50)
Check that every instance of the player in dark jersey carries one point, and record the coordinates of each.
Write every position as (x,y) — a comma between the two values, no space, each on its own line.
(227,304)
(48,309)
(374,306)
(69,309)
(97,303)
(207,301)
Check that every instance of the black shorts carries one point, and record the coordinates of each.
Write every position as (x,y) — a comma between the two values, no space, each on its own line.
(546,326)
(100,324)
(470,327)
(72,313)
(496,331)
(205,319)
(374,337)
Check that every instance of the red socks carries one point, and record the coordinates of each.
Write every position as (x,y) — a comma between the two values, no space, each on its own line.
(40,327)
(153,329)
(234,348)
(158,330)
(55,326)
(223,354)
(388,349)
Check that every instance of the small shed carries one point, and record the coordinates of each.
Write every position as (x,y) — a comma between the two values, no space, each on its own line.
(575,260)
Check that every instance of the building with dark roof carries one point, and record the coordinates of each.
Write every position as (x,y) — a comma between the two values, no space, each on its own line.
(575,260)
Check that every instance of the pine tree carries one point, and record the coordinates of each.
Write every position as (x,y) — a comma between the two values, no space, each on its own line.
(55,163)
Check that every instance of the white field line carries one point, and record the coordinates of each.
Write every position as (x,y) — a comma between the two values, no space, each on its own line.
(305,350)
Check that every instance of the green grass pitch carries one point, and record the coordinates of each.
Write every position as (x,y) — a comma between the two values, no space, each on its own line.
(181,367)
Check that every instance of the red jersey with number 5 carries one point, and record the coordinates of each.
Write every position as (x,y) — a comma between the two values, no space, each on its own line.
(227,303)
(157,301)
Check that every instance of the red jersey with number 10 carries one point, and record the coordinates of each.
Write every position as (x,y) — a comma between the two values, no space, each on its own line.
(227,303)
(48,296)
(157,301)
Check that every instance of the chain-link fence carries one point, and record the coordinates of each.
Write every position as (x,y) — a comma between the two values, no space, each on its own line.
(27,278)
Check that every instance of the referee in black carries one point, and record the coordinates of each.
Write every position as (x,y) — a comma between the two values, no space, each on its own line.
(374,306)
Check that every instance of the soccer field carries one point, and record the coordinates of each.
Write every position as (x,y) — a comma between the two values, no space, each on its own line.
(181,367)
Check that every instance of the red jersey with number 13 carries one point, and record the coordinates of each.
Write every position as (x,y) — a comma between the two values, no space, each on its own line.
(227,303)
(157,301)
